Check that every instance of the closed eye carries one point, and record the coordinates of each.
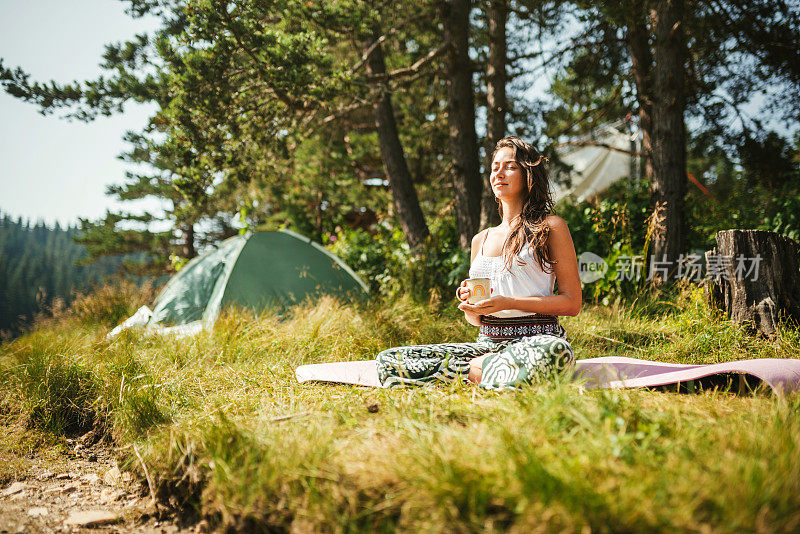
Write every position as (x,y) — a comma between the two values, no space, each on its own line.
(510,165)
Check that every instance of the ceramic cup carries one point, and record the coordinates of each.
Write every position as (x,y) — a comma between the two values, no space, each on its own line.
(479,289)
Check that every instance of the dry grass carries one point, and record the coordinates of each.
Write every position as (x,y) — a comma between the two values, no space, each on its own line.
(207,415)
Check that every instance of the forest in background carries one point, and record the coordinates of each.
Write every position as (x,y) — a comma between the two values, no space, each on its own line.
(39,270)
(366,125)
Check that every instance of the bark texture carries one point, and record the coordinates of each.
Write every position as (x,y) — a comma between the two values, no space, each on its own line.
(464,158)
(669,131)
(189,250)
(404,195)
(642,71)
(496,102)
(759,301)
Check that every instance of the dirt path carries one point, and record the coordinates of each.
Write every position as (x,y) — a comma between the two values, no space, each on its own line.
(81,491)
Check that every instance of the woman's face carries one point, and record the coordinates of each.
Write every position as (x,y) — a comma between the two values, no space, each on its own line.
(507,178)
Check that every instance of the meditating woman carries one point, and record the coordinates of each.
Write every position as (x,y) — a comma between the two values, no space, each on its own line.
(520,339)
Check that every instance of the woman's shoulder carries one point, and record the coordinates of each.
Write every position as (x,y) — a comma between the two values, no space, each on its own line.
(477,241)
(477,238)
(555,222)
(480,237)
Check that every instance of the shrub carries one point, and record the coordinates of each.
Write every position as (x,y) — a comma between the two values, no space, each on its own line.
(110,304)
(385,261)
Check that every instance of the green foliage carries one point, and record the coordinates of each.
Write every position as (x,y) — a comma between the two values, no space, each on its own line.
(614,228)
(786,219)
(758,188)
(157,252)
(385,262)
(618,218)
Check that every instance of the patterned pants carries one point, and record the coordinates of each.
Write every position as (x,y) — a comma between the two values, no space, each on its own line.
(510,362)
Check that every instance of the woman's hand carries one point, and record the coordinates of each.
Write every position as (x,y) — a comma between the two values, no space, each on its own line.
(463,292)
(486,306)
(472,318)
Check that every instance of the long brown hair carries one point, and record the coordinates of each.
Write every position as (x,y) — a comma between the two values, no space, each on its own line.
(530,228)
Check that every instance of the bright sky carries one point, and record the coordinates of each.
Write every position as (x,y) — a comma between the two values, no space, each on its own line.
(52,169)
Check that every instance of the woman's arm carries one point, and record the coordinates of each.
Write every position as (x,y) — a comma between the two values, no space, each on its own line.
(470,317)
(562,251)
(568,299)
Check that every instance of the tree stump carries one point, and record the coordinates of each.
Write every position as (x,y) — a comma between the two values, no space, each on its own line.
(753,276)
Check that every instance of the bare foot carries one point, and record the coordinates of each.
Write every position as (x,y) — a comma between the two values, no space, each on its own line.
(475,366)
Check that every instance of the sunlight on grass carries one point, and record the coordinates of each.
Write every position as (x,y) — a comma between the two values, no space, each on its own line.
(227,431)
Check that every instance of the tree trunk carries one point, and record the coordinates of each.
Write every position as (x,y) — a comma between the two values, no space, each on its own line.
(753,276)
(669,131)
(406,202)
(189,251)
(496,102)
(461,117)
(641,69)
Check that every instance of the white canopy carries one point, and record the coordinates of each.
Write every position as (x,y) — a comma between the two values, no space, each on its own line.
(593,166)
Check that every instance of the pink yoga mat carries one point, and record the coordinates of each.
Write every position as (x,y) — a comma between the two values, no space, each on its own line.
(782,375)
(363,373)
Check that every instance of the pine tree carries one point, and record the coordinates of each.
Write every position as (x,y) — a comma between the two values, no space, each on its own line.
(37,268)
(136,75)
(704,60)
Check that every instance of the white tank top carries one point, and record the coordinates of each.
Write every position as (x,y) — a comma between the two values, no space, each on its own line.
(527,280)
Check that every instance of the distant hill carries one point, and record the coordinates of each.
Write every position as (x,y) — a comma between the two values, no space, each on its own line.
(37,266)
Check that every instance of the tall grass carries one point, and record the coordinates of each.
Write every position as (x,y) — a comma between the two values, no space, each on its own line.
(229,434)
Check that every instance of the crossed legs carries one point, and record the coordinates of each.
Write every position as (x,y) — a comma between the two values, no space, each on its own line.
(419,364)
(492,364)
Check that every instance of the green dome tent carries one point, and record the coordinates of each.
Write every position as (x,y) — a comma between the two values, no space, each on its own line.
(255,270)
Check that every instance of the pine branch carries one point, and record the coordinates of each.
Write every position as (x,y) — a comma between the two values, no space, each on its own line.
(594,113)
(345,110)
(413,69)
(279,94)
(379,41)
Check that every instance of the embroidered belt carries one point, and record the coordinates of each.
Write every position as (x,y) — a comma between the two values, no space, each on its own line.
(499,328)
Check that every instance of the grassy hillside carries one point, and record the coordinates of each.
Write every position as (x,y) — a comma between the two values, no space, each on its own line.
(226,431)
